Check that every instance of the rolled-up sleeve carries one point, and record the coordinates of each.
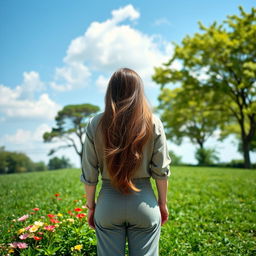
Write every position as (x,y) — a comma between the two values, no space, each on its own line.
(161,160)
(90,171)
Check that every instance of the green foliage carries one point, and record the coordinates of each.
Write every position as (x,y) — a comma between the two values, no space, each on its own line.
(189,113)
(71,122)
(40,166)
(211,211)
(53,192)
(176,160)
(206,156)
(59,163)
(221,59)
(17,162)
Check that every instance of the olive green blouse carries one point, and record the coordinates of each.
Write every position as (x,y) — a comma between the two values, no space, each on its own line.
(155,160)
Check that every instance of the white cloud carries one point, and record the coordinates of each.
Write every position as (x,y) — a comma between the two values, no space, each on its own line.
(22,136)
(162,21)
(127,12)
(109,45)
(13,102)
(102,83)
(31,143)
(74,75)
(31,84)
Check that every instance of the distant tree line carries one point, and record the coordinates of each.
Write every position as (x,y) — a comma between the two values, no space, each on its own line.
(18,162)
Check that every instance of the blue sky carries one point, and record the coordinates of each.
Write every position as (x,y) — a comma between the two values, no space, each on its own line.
(55,53)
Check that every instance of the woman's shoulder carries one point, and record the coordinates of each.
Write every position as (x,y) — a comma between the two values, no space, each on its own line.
(93,124)
(94,120)
(157,122)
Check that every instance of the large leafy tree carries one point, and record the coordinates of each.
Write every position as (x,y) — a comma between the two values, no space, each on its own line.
(222,58)
(70,127)
(187,113)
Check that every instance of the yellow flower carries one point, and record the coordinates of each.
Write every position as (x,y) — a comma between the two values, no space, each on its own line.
(11,250)
(78,247)
(59,214)
(71,220)
(22,230)
(39,223)
(34,228)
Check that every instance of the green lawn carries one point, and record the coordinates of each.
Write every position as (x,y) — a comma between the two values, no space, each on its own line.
(212,210)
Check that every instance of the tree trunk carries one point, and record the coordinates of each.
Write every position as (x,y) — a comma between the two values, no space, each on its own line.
(246,153)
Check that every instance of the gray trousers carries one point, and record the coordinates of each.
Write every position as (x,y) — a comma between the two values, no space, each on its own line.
(134,217)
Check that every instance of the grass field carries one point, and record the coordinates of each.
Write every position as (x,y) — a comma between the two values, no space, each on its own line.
(212,210)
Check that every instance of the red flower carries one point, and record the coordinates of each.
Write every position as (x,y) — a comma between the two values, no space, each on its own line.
(51,215)
(37,238)
(70,213)
(77,209)
(54,221)
(80,215)
(32,213)
(36,209)
(57,195)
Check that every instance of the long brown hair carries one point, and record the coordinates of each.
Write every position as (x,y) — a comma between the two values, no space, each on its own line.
(126,126)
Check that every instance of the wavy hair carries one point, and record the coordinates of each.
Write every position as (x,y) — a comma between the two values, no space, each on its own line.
(126,126)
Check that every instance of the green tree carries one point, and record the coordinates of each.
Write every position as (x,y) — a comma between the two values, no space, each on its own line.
(59,163)
(40,166)
(70,127)
(206,156)
(14,162)
(187,113)
(223,59)
(176,160)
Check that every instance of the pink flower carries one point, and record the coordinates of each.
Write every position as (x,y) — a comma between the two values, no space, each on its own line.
(28,227)
(50,227)
(24,236)
(24,217)
(20,245)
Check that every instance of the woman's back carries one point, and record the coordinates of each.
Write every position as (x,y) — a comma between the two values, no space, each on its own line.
(126,144)
(155,161)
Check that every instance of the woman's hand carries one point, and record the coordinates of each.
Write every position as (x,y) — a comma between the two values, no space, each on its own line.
(164,213)
(91,218)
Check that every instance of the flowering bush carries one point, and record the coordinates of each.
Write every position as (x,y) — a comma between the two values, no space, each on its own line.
(65,233)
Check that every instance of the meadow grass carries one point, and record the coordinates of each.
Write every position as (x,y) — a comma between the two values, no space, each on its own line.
(212,210)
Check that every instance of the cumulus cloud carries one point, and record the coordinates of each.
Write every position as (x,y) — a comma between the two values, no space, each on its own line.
(102,83)
(20,101)
(74,75)
(22,136)
(108,45)
(30,85)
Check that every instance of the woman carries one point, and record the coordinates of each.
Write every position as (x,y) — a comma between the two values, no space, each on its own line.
(126,144)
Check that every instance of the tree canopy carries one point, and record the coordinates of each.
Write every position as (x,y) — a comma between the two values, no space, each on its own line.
(222,59)
(70,127)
